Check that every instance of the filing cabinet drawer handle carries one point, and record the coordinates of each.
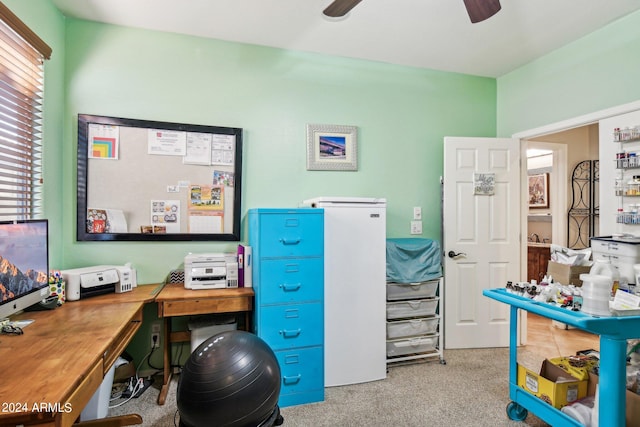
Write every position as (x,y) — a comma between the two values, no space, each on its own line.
(291,334)
(291,380)
(293,241)
(290,287)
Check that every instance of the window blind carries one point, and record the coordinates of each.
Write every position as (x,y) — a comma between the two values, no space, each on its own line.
(22,56)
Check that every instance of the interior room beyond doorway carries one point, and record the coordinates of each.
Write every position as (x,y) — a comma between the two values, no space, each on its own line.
(551,160)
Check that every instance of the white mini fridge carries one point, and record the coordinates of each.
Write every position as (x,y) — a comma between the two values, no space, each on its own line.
(354,289)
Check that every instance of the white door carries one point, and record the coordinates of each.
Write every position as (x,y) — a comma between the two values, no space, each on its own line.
(483,230)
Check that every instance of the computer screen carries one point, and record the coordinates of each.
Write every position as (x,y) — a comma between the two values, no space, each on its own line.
(24,264)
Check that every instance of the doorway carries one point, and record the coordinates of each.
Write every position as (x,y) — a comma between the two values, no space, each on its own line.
(587,123)
(555,157)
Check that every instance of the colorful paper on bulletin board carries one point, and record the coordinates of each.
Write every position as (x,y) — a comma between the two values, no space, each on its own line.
(106,221)
(223,178)
(103,141)
(206,197)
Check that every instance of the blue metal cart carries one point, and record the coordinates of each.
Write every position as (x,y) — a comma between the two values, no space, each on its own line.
(614,332)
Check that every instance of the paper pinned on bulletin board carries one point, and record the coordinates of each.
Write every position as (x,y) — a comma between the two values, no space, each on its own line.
(222,149)
(206,222)
(166,142)
(198,149)
(206,209)
(223,178)
(206,197)
(166,213)
(103,141)
(106,221)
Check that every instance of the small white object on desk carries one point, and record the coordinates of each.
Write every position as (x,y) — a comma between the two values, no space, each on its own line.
(625,304)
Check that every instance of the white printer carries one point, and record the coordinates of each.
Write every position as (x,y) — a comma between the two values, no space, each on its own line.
(97,280)
(211,271)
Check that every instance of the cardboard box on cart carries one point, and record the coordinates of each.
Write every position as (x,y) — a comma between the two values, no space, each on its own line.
(632,415)
(566,274)
(553,385)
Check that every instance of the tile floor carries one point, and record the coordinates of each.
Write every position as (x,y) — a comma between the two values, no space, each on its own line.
(545,338)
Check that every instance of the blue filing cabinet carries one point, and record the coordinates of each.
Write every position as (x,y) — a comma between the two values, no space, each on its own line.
(288,281)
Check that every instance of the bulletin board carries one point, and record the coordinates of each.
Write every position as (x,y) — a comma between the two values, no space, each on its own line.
(151,180)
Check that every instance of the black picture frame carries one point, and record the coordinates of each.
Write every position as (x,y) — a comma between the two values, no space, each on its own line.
(84,186)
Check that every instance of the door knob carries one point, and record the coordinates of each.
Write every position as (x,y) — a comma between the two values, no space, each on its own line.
(453,254)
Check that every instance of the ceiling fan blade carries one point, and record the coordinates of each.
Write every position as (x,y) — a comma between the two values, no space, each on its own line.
(340,8)
(479,10)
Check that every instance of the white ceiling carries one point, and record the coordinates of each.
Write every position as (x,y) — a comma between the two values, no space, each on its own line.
(434,34)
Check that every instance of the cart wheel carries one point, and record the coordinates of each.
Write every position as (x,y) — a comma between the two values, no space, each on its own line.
(516,412)
(443,362)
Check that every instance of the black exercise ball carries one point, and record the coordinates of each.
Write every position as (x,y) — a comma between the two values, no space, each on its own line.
(232,380)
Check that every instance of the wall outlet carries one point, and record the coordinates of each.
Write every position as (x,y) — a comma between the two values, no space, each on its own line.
(416,227)
(155,335)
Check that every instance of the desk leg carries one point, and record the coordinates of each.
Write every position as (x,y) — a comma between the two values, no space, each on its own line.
(166,378)
(612,394)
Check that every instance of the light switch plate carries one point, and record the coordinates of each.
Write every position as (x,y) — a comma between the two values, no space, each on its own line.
(417,213)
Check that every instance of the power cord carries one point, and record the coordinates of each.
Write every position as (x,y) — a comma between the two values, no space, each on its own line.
(139,385)
(148,356)
(136,385)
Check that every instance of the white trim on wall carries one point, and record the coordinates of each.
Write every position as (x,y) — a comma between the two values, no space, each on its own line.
(575,122)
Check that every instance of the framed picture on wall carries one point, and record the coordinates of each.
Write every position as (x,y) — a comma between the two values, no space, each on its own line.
(539,190)
(332,147)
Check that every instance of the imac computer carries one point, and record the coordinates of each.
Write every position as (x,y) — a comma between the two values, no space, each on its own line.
(24,264)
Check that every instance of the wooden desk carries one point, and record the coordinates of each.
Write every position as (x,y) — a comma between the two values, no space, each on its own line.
(176,300)
(51,372)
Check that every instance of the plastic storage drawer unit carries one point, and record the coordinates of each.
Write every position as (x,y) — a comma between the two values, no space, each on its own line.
(413,308)
(403,291)
(412,327)
(411,345)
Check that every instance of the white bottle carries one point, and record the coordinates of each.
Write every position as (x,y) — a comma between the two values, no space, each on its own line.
(604,267)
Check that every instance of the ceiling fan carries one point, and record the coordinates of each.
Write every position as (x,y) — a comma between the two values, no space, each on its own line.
(478,10)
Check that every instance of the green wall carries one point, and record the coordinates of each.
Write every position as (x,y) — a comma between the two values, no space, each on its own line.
(598,71)
(402,115)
